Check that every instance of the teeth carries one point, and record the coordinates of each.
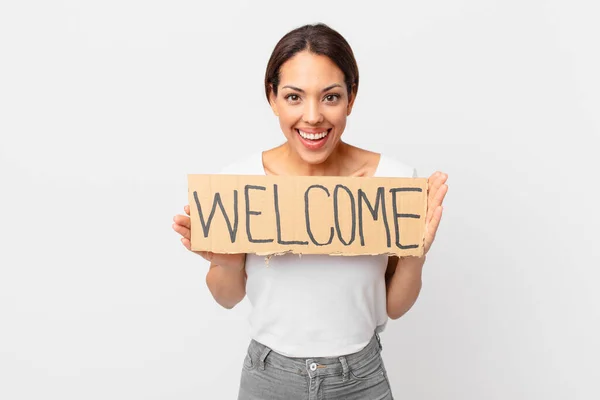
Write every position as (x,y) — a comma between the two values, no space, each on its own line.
(313,136)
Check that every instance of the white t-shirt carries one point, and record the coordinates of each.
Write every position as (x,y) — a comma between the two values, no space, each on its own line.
(316,305)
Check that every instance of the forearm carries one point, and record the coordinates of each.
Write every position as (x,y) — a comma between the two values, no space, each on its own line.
(404,286)
(228,287)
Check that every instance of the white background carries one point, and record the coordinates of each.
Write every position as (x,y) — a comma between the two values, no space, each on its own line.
(106,106)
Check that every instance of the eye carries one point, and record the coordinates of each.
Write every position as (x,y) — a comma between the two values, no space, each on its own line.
(292,97)
(332,97)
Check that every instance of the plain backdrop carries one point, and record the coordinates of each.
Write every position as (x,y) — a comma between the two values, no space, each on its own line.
(106,106)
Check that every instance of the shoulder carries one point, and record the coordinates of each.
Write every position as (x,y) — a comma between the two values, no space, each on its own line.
(389,166)
(250,164)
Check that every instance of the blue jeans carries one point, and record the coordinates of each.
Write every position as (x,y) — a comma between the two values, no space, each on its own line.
(269,375)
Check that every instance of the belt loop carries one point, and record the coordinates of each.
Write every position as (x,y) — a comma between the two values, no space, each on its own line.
(378,340)
(344,368)
(263,356)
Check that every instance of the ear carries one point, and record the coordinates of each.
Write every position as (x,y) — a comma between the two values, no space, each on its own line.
(272,101)
(351,98)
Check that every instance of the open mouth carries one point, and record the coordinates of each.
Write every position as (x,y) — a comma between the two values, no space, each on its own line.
(313,141)
(313,136)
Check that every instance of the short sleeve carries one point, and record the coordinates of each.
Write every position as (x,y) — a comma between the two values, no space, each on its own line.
(392,168)
(251,165)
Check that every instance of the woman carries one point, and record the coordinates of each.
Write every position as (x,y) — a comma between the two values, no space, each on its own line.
(316,319)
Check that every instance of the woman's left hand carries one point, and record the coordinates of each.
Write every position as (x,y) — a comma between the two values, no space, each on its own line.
(435,196)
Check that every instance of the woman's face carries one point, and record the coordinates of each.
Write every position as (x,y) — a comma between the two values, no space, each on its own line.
(312,104)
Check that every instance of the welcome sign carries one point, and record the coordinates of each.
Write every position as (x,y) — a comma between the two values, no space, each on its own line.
(266,214)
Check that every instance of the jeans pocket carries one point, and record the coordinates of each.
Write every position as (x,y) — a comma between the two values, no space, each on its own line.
(373,368)
(248,362)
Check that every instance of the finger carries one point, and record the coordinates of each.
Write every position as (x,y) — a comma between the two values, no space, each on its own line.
(430,181)
(186,208)
(188,245)
(433,227)
(439,196)
(437,200)
(435,182)
(182,220)
(182,230)
(435,222)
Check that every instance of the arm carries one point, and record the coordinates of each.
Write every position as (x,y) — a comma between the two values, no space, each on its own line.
(403,276)
(226,277)
(403,284)
(227,285)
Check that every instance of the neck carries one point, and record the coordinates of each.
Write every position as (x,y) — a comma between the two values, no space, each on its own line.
(332,166)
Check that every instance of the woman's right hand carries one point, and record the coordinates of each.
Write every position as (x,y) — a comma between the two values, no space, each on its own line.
(182,225)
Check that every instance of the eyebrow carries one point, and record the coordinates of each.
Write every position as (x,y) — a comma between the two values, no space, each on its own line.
(302,91)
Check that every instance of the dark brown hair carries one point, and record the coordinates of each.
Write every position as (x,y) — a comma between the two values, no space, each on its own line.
(318,39)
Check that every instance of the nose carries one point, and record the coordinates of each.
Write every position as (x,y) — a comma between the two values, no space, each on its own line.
(312,113)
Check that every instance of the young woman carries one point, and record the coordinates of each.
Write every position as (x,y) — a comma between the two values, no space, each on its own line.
(316,319)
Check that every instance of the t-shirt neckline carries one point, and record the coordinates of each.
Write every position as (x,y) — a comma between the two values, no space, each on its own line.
(262,165)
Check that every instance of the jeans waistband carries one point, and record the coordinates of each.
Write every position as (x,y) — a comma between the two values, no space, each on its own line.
(315,366)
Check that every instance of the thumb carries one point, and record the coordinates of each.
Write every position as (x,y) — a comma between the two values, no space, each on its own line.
(208,255)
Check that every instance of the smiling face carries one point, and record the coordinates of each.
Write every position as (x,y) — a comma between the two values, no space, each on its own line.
(312,103)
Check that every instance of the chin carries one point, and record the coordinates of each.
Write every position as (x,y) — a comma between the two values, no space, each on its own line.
(313,158)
